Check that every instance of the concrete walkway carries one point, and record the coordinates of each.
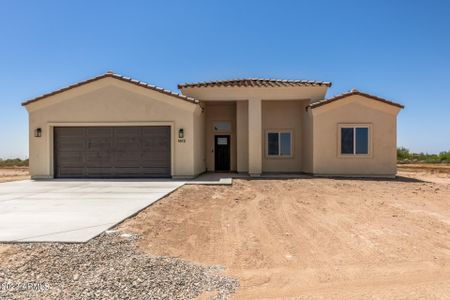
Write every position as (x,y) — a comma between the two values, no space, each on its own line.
(72,210)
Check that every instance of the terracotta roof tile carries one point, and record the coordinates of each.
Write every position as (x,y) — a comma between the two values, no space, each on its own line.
(351,93)
(119,77)
(255,82)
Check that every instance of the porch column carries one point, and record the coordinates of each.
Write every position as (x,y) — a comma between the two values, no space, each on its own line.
(242,135)
(254,137)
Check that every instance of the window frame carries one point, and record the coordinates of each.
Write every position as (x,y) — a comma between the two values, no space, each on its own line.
(354,126)
(291,148)
(222,131)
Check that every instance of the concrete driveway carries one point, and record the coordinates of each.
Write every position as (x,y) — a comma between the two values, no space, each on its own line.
(72,210)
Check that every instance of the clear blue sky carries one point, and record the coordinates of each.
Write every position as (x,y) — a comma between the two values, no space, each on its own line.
(394,49)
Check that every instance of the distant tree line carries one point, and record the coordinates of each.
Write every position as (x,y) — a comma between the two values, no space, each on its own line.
(16,162)
(403,156)
(406,156)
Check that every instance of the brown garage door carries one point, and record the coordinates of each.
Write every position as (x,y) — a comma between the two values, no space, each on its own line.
(102,152)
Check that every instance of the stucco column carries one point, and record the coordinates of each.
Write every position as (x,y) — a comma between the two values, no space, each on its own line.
(242,135)
(254,137)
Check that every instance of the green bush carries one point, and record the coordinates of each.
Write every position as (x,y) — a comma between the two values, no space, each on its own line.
(403,153)
(406,156)
(444,156)
(16,162)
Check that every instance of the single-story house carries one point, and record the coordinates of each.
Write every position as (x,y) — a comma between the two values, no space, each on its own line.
(115,126)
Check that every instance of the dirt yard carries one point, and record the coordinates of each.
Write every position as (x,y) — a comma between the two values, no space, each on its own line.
(312,238)
(308,238)
(14,173)
(430,168)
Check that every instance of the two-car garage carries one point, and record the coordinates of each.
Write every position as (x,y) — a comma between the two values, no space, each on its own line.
(112,126)
(105,152)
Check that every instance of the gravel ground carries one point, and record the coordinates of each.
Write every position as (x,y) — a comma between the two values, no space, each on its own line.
(108,267)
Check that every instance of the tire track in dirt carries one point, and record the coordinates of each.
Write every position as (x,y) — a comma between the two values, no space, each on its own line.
(348,238)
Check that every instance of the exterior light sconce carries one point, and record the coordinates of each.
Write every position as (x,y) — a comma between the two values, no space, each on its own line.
(181,133)
(38,132)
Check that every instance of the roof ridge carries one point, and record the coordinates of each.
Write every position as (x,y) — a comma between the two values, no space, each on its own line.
(255,81)
(116,76)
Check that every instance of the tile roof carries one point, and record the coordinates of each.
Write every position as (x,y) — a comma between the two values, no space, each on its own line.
(351,93)
(119,77)
(255,82)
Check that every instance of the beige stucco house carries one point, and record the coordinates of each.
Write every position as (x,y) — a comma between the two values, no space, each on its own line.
(114,126)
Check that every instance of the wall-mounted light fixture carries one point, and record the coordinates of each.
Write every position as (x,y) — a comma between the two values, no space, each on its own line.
(181,133)
(38,132)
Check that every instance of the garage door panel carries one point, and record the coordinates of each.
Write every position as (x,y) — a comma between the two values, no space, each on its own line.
(155,156)
(154,162)
(69,159)
(155,171)
(128,171)
(71,172)
(99,172)
(130,164)
(112,151)
(156,166)
(71,144)
(128,131)
(99,144)
(99,159)
(148,146)
(151,145)
(127,144)
(99,131)
(134,157)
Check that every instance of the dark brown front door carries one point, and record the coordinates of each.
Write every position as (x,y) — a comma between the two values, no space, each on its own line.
(89,152)
(222,153)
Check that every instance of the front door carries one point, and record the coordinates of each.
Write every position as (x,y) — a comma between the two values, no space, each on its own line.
(222,153)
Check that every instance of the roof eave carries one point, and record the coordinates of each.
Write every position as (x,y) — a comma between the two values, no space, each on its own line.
(118,77)
(225,84)
(345,95)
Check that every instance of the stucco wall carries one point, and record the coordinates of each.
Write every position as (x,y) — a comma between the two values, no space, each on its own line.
(220,111)
(112,102)
(283,115)
(355,110)
(314,93)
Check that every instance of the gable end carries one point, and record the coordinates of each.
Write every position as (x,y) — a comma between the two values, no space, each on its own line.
(353,93)
(118,77)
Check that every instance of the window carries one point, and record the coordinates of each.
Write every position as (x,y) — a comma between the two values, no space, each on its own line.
(279,143)
(222,141)
(354,140)
(222,126)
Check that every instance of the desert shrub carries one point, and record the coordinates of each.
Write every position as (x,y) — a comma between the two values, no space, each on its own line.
(406,156)
(444,156)
(403,154)
(16,162)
